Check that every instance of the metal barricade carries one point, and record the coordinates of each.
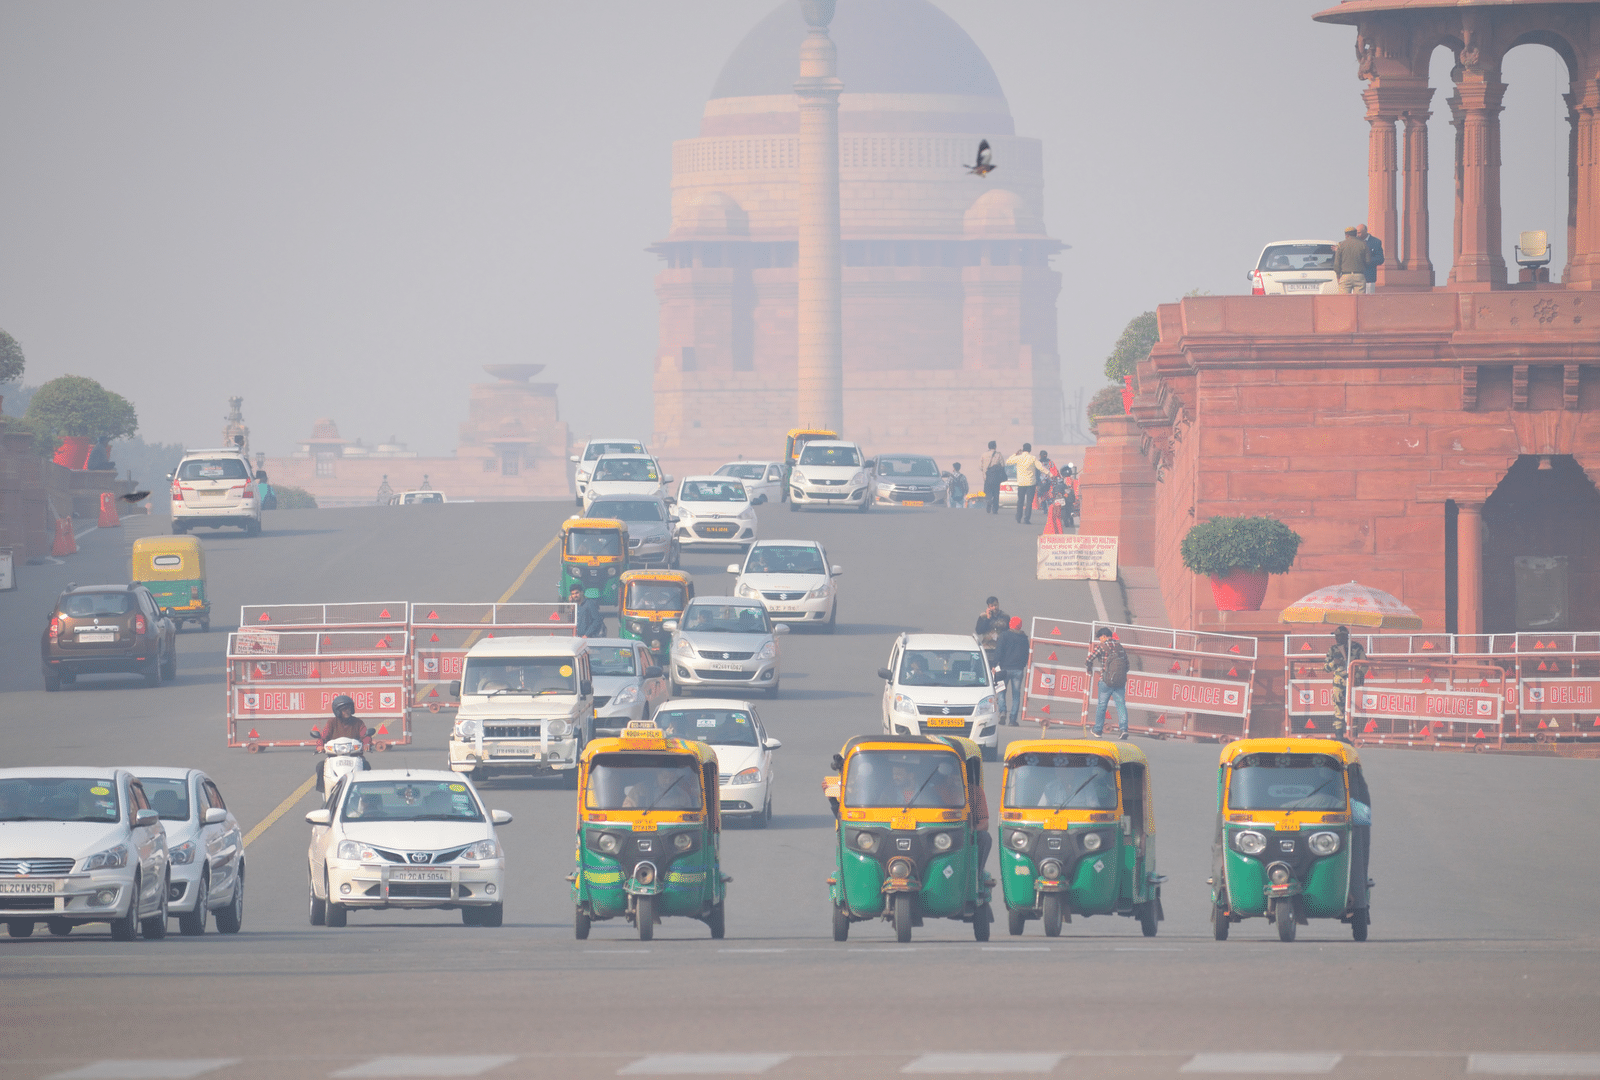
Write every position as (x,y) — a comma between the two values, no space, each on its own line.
(441,634)
(1558,687)
(1415,701)
(282,683)
(270,616)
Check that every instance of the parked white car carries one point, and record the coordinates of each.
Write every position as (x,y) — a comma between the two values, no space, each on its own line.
(831,474)
(411,498)
(714,511)
(725,642)
(792,579)
(205,846)
(215,488)
(406,838)
(593,451)
(733,730)
(939,684)
(626,474)
(628,683)
(81,845)
(1293,266)
(762,479)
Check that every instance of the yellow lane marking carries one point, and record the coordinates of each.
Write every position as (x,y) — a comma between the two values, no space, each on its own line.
(288,804)
(283,808)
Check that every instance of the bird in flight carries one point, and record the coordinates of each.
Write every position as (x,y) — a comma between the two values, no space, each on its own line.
(985,163)
(135,496)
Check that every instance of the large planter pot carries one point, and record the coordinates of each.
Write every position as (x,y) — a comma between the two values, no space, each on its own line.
(74,451)
(1240,590)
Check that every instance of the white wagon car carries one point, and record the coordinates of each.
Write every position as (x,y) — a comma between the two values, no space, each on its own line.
(593,451)
(733,730)
(406,838)
(205,844)
(1293,266)
(626,474)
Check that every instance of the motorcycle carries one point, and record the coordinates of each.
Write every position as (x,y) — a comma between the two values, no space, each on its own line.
(344,756)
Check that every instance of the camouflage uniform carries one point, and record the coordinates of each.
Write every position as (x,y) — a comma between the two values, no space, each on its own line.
(1338,663)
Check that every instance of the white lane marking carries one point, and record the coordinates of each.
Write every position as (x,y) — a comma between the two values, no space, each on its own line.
(1099,601)
(1260,1063)
(1016,948)
(149,1069)
(1137,948)
(416,1065)
(86,532)
(984,1063)
(702,1064)
(1534,1064)
(751,950)
(614,952)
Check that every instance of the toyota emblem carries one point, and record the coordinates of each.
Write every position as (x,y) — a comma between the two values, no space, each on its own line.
(23,869)
(419,856)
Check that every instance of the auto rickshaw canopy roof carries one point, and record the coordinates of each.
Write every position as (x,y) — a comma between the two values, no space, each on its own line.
(1331,747)
(820,432)
(1120,752)
(680,577)
(646,737)
(568,527)
(187,550)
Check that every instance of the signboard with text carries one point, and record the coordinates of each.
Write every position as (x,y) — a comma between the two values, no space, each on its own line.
(1066,556)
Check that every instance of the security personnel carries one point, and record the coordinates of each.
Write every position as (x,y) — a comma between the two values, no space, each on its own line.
(1341,654)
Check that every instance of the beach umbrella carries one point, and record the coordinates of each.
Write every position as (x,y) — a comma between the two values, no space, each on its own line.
(1352,604)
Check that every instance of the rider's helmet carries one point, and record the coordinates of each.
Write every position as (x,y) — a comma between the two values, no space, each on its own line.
(344,701)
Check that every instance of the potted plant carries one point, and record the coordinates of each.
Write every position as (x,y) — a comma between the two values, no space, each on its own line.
(80,412)
(1237,554)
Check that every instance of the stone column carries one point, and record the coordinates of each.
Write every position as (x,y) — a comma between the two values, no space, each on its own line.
(1581,223)
(1469,567)
(1572,183)
(1381,216)
(1479,263)
(821,384)
(1417,266)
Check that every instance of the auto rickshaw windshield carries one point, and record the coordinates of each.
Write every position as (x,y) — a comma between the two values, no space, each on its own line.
(656,596)
(904,778)
(1286,782)
(1061,782)
(643,782)
(594,542)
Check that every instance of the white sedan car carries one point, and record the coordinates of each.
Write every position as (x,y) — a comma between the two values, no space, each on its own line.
(626,474)
(762,479)
(792,579)
(81,845)
(714,511)
(406,838)
(206,847)
(733,729)
(832,474)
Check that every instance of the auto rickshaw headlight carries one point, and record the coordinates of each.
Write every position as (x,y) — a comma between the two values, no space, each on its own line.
(901,868)
(942,841)
(1279,873)
(1092,841)
(1250,842)
(683,841)
(866,841)
(1019,840)
(644,873)
(1323,843)
(1050,869)
(608,843)
(556,729)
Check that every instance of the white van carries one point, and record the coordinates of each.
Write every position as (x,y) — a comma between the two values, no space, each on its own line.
(527,707)
(940,684)
(215,488)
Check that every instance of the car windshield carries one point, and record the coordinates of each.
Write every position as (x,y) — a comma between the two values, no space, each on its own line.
(597,450)
(214,469)
(744,472)
(784,559)
(594,542)
(723,491)
(1286,782)
(1297,257)
(1011,472)
(611,660)
(57,798)
(84,604)
(1061,781)
(725,619)
(717,727)
(411,800)
(830,455)
(168,797)
(925,778)
(897,467)
(943,667)
(643,782)
(627,509)
(656,596)
(627,470)
(535,675)
(423,497)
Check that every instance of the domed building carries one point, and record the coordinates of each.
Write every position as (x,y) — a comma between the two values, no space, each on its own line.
(949,317)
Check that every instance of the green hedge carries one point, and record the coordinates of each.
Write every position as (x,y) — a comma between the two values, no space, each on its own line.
(294,498)
(1224,544)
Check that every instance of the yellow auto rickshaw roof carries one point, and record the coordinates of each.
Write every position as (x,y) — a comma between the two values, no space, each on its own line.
(952,743)
(681,577)
(1120,752)
(699,751)
(189,547)
(1332,747)
(812,431)
(593,523)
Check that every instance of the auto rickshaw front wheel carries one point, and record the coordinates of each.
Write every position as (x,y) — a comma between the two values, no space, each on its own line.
(1219,921)
(1017,921)
(980,922)
(1358,924)
(580,925)
(1147,918)
(902,917)
(841,924)
(644,913)
(1283,915)
(1050,914)
(715,921)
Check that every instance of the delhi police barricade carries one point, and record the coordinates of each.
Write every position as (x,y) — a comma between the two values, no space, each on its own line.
(1181,683)
(281,683)
(441,634)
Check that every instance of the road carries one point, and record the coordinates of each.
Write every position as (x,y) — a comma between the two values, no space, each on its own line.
(1483,946)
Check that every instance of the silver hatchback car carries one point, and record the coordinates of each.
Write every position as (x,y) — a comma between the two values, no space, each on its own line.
(206,848)
(725,642)
(650,522)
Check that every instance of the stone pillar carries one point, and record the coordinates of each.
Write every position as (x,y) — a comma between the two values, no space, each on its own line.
(1581,223)
(821,382)
(1118,491)
(1479,263)
(1381,217)
(1469,567)
(1572,182)
(1417,267)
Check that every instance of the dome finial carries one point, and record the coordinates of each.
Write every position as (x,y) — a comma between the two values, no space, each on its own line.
(818,13)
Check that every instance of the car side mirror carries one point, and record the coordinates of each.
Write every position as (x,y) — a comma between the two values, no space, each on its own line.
(574,517)
(837,763)
(143,819)
(653,672)
(781,628)
(733,568)
(885,674)
(500,817)
(670,625)
(586,688)
(835,570)
(320,817)
(215,815)
(772,744)
(672,520)
(667,479)
(455,688)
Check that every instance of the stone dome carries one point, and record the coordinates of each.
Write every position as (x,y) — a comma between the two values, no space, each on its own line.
(885,47)
(998,212)
(325,428)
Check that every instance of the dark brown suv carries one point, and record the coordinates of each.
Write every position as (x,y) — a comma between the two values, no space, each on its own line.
(108,628)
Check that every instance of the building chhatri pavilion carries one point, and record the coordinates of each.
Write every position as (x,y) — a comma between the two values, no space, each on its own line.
(948,297)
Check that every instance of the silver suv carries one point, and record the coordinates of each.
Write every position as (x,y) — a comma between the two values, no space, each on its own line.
(725,642)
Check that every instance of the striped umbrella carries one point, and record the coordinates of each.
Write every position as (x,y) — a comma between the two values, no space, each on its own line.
(1352,605)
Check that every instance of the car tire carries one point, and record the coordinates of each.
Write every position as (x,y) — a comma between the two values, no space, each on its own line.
(1283,915)
(205,626)
(319,910)
(991,753)
(126,927)
(179,530)
(169,670)
(1050,914)
(52,683)
(155,927)
(900,905)
(580,925)
(337,914)
(20,927)
(469,916)
(833,619)
(1358,924)
(774,690)
(793,507)
(58,927)
(766,815)
(675,558)
(193,923)
(152,676)
(492,916)
(231,918)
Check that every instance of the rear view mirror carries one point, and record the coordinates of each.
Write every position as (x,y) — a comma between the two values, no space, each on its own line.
(670,625)
(885,674)
(455,688)
(781,628)
(573,458)
(837,763)
(145,818)
(733,568)
(574,517)
(500,817)
(772,744)
(835,570)
(653,672)
(215,815)
(586,688)
(320,817)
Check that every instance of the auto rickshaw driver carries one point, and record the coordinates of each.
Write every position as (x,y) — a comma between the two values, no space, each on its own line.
(662,789)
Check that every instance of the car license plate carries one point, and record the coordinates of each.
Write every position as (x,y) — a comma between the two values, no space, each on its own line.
(98,635)
(515,751)
(944,721)
(783,607)
(721,666)
(911,502)
(1302,286)
(716,530)
(26,888)
(419,875)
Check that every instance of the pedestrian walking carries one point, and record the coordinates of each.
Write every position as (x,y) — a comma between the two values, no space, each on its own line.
(1112,659)
(1350,263)
(990,622)
(1374,256)
(1027,479)
(1341,654)
(956,493)
(993,468)
(1011,665)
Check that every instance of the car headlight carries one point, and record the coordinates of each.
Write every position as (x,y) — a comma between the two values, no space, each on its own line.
(1323,843)
(682,647)
(859,478)
(904,704)
(768,651)
(356,852)
(183,854)
(866,842)
(1050,869)
(987,705)
(608,843)
(1250,842)
(818,593)
(942,841)
(1092,841)
(583,476)
(466,729)
(483,849)
(748,513)
(683,841)
(885,487)
(799,477)
(627,695)
(110,859)
(1018,840)
(747,776)
(556,729)
(746,590)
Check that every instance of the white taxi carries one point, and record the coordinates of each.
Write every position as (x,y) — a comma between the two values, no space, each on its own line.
(733,730)
(714,511)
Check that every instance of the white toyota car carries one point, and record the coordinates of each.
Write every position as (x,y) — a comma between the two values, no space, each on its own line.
(593,451)
(733,730)
(792,579)
(626,474)
(1293,266)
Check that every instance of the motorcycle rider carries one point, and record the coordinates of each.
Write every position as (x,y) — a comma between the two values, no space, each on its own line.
(343,725)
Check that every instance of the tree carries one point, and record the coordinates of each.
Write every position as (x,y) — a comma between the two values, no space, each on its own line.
(75,406)
(1108,402)
(11,359)
(1138,338)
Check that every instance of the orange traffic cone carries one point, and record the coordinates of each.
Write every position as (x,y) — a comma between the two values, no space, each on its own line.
(108,511)
(66,543)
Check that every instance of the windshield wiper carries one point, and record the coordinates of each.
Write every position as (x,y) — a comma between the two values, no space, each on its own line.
(664,794)
(1296,804)
(919,789)
(507,690)
(1087,780)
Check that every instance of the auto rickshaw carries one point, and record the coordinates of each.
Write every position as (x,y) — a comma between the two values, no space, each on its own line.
(649,832)
(1294,824)
(648,598)
(906,848)
(594,554)
(173,568)
(798,437)
(1077,834)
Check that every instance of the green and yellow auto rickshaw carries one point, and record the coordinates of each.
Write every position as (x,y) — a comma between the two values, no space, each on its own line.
(1077,834)
(173,568)
(649,832)
(649,598)
(906,846)
(1294,825)
(796,442)
(594,555)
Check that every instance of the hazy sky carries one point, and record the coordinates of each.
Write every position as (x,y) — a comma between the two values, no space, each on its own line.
(344,208)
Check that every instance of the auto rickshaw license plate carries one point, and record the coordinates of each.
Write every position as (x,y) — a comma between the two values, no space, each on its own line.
(644,826)
(941,721)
